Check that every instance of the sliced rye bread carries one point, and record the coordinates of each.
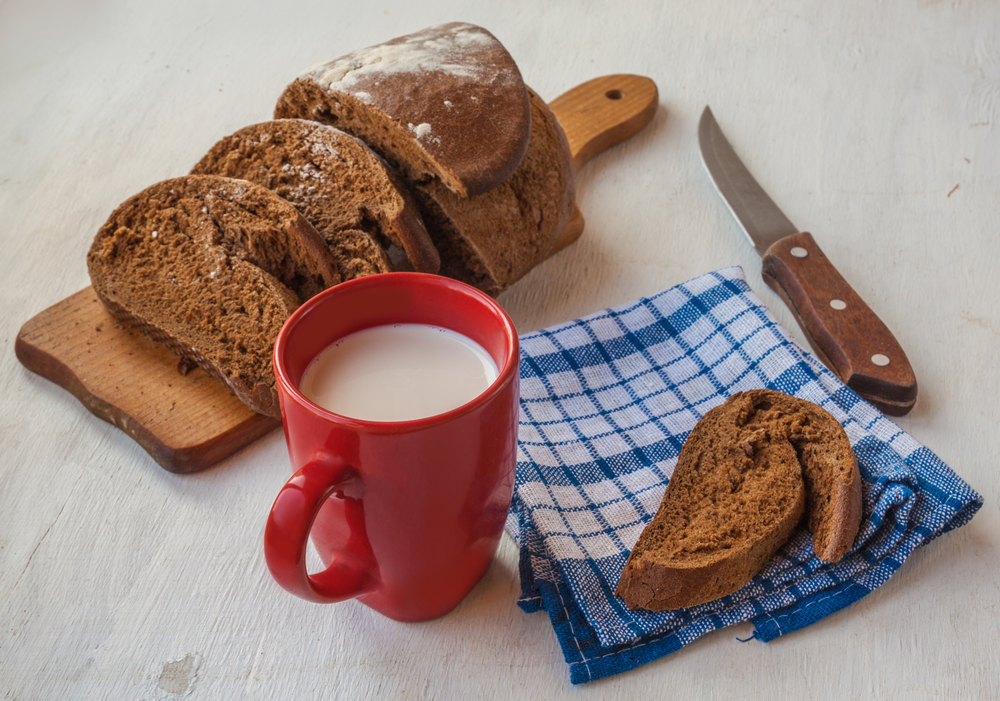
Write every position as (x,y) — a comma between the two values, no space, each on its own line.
(445,103)
(211,267)
(357,204)
(491,240)
(746,474)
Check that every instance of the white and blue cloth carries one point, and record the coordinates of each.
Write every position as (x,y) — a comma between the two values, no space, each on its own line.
(606,404)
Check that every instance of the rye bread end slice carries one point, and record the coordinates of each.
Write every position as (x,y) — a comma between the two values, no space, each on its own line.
(491,240)
(446,103)
(211,267)
(356,202)
(746,474)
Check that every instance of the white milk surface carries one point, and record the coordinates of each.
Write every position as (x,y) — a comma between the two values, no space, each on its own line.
(398,372)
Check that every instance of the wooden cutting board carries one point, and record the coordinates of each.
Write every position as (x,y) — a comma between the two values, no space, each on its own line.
(190,422)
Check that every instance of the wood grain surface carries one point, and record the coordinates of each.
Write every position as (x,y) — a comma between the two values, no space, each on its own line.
(189,422)
(186,422)
(878,124)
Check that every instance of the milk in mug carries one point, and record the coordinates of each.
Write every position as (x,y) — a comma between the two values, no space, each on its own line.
(398,372)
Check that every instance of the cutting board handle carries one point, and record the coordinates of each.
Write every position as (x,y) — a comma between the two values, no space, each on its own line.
(597,115)
(603,112)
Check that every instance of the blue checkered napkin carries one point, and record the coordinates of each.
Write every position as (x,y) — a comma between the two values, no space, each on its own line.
(606,404)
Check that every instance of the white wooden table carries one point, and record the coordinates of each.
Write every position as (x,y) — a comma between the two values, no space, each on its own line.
(874,125)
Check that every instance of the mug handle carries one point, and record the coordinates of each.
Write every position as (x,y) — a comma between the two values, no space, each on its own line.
(286,536)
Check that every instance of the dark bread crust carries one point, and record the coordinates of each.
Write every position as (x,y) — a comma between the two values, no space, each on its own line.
(211,267)
(352,197)
(742,483)
(833,482)
(446,103)
(491,240)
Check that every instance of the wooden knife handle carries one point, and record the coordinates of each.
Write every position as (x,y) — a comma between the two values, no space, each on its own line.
(842,329)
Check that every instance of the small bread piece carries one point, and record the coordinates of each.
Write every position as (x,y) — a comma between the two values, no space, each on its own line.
(357,204)
(740,487)
(830,471)
(211,267)
(491,240)
(446,103)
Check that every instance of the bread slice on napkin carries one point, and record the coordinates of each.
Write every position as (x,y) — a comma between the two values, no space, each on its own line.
(491,240)
(357,204)
(211,267)
(746,474)
(445,103)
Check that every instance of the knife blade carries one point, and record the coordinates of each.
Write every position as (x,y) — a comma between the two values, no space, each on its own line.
(843,331)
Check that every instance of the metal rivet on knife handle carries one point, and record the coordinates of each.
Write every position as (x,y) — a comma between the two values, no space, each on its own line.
(880,360)
(838,304)
(799,252)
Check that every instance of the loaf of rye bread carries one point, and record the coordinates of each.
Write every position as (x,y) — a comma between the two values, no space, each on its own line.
(211,267)
(357,204)
(489,235)
(746,474)
(491,240)
(445,103)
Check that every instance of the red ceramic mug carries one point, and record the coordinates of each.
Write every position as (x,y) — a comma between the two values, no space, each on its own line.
(406,515)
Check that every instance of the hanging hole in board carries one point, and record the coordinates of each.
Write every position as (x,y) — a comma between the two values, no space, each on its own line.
(614,94)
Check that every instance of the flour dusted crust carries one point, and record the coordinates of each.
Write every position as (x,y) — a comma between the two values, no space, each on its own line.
(445,103)
(211,267)
(492,239)
(746,475)
(357,203)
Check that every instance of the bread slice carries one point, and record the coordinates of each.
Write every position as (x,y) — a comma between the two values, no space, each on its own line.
(742,482)
(211,267)
(492,239)
(358,205)
(445,103)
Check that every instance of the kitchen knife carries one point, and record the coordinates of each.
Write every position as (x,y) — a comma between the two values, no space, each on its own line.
(843,331)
